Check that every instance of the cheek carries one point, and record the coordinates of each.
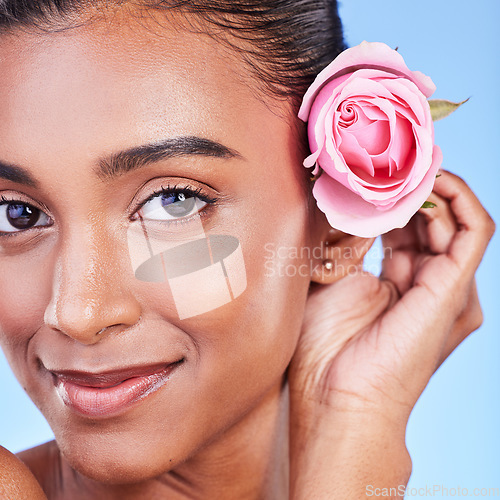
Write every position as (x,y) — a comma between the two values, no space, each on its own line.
(273,213)
(261,326)
(243,347)
(25,284)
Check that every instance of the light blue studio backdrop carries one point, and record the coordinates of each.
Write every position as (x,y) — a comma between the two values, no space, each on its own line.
(454,432)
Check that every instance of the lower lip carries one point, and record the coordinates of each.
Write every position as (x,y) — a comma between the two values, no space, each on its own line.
(111,401)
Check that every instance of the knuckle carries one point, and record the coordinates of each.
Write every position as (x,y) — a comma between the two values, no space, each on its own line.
(460,182)
(491,226)
(488,225)
(476,319)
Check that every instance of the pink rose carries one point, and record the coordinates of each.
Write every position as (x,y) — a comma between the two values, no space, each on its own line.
(371,132)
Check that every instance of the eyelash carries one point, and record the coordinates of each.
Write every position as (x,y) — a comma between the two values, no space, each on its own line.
(176,190)
(164,190)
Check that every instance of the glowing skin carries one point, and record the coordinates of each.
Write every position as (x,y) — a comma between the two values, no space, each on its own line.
(70,301)
(16,481)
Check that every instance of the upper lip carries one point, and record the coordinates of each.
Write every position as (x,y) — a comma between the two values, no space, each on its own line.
(112,377)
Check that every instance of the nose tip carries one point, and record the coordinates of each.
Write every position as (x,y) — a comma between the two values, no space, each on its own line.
(89,321)
(91,293)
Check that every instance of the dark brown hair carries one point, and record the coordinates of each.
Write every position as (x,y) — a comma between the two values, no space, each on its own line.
(286,42)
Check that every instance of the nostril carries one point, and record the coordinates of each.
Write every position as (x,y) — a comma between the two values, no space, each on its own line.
(106,328)
(87,313)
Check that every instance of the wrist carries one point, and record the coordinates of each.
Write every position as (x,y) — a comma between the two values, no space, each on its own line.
(318,403)
(322,424)
(336,459)
(339,452)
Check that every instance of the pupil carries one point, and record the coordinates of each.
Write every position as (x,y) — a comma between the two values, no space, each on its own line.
(22,216)
(177,205)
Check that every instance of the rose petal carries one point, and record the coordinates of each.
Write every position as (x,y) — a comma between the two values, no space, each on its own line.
(370,130)
(373,55)
(351,214)
(358,156)
(373,137)
(412,98)
(402,141)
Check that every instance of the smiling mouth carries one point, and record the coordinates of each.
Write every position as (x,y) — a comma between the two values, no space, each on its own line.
(103,395)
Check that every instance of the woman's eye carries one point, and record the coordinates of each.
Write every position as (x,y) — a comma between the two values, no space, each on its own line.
(16,216)
(171,206)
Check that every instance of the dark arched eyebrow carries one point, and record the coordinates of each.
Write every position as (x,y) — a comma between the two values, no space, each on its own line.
(141,156)
(16,174)
(134,158)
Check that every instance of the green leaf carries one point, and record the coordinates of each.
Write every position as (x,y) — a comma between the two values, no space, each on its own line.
(441,108)
(428,204)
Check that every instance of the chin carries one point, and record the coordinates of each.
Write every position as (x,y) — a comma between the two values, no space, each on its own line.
(108,463)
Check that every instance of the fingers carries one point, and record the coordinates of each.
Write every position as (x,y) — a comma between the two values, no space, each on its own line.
(474,225)
(434,268)
(401,249)
(400,268)
(458,227)
(469,321)
(406,238)
(436,226)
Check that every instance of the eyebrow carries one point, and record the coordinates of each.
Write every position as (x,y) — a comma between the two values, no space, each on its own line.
(16,174)
(141,156)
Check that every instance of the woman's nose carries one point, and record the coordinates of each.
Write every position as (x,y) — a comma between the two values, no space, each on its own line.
(90,292)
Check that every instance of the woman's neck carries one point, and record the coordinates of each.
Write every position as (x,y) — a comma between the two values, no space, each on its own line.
(249,462)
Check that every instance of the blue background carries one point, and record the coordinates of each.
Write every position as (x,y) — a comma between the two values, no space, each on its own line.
(454,432)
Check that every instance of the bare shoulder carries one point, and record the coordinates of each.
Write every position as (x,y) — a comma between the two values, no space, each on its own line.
(16,480)
(44,463)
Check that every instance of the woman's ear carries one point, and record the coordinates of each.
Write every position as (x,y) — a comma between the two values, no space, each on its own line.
(341,254)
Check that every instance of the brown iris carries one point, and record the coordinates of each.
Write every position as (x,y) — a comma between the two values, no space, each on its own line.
(22,216)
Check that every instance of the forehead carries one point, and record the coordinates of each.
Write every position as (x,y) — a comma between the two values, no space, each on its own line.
(117,83)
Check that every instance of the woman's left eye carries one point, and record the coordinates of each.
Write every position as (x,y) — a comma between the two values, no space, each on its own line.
(171,206)
(16,216)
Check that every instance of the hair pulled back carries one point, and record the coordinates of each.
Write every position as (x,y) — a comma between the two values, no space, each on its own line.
(286,42)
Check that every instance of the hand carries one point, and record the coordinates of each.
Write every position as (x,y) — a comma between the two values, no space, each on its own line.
(380,340)
(370,345)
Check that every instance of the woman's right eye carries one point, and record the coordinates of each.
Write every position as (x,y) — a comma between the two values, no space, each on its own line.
(17,216)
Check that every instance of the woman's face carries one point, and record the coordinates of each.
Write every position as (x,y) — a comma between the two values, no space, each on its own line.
(75,322)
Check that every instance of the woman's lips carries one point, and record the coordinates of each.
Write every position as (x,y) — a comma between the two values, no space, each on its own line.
(110,393)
